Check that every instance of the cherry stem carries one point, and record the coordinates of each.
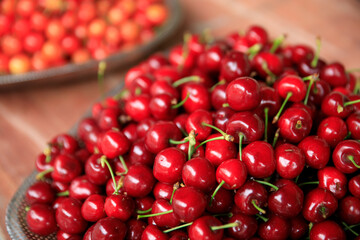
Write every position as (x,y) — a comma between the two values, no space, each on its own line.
(241,137)
(144,211)
(308,183)
(182,102)
(47,153)
(312,80)
(297,178)
(221,82)
(277,42)
(267,184)
(154,214)
(177,227)
(101,74)
(215,191)
(226,105)
(276,118)
(266,113)
(185,80)
(27,208)
(192,143)
(262,217)
(276,137)
(123,93)
(223,215)
(229,225)
(253,202)
(347,227)
(268,72)
(227,137)
(63,194)
(353,70)
(253,50)
(172,141)
(209,140)
(351,102)
(298,124)
(42,174)
(351,158)
(175,187)
(315,60)
(124,165)
(103,162)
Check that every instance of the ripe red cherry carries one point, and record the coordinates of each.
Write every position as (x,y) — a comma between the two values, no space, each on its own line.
(81,188)
(137,107)
(349,210)
(66,168)
(168,220)
(139,181)
(318,91)
(333,105)
(119,206)
(346,156)
(41,219)
(40,192)
(92,209)
(201,228)
(333,180)
(196,121)
(138,154)
(334,74)
(316,150)
(94,170)
(301,53)
(248,196)
(218,151)
(212,57)
(33,42)
(332,130)
(114,143)
(143,127)
(161,107)
(246,228)
(199,97)
(298,227)
(168,165)
(353,125)
(218,96)
(292,85)
(269,99)
(61,235)
(222,201)
(290,160)
(327,230)
(222,116)
(109,228)
(259,159)
(273,64)
(234,65)
(135,229)
(152,232)
(243,94)
(231,174)
(256,34)
(275,227)
(69,218)
(354,186)
(163,190)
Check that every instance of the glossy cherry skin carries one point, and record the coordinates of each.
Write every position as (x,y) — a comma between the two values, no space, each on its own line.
(306,69)
(40,219)
(40,192)
(139,181)
(354,186)
(295,124)
(316,151)
(256,34)
(275,228)
(109,228)
(199,97)
(333,105)
(139,154)
(160,87)
(272,61)
(135,229)
(287,201)
(95,172)
(218,96)
(341,154)
(108,118)
(195,122)
(332,130)
(66,143)
(92,209)
(119,206)
(333,180)
(201,228)
(199,152)
(353,124)
(152,232)
(246,123)
(290,160)
(234,65)
(168,165)
(163,190)
(87,234)
(218,151)
(188,203)
(222,116)
(157,138)
(143,127)
(247,226)
(327,230)
(293,84)
(199,173)
(130,132)
(222,202)
(243,94)
(249,192)
(319,205)
(81,188)
(349,210)
(233,172)
(298,227)
(66,168)
(269,99)
(334,74)
(69,217)
(318,91)
(166,220)
(137,107)
(301,53)
(161,107)
(61,235)
(259,159)
(114,143)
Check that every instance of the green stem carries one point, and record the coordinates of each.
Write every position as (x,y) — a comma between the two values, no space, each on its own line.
(262,217)
(175,187)
(253,202)
(276,118)
(154,214)
(144,211)
(297,178)
(42,174)
(177,227)
(277,42)
(182,102)
(241,138)
(229,225)
(267,184)
(103,162)
(253,50)
(63,194)
(215,191)
(209,140)
(351,102)
(221,82)
(315,60)
(47,153)
(266,113)
(353,70)
(176,142)
(276,137)
(308,183)
(124,165)
(185,80)
(226,105)
(268,72)
(308,91)
(192,143)
(347,227)
(351,158)
(213,127)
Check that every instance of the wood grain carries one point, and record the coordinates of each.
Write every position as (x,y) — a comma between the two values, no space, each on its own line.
(30,117)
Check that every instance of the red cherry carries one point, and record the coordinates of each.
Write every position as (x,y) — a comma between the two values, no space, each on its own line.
(137,107)
(92,209)
(222,116)
(332,130)
(94,170)
(199,97)
(275,227)
(246,228)
(202,228)
(40,192)
(231,174)
(138,154)
(316,150)
(114,143)
(163,190)
(265,63)
(135,229)
(152,232)
(234,65)
(81,188)
(66,168)
(243,94)
(346,156)
(218,151)
(290,160)
(41,219)
(333,180)
(318,91)
(196,121)
(301,53)
(250,197)
(256,34)
(168,220)
(349,210)
(218,96)
(139,181)
(269,99)
(353,125)
(333,105)
(221,202)
(69,218)
(109,228)
(299,227)
(161,107)
(327,230)
(354,186)
(33,42)
(119,206)
(334,74)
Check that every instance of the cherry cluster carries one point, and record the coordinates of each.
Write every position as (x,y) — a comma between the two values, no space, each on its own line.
(236,138)
(37,35)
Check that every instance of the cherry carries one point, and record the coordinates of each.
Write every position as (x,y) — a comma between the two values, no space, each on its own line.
(301,53)
(298,227)
(270,99)
(316,150)
(318,91)
(164,87)
(137,107)
(130,132)
(243,94)
(92,209)
(267,65)
(231,174)
(334,74)
(256,34)
(327,230)
(222,116)
(152,232)
(144,204)
(246,226)
(275,227)
(81,188)
(290,160)
(188,203)
(332,130)
(138,154)
(218,151)
(334,104)
(40,192)
(135,230)
(144,126)
(346,156)
(319,205)
(119,206)
(162,107)
(250,198)
(199,173)
(233,65)
(180,121)
(199,97)
(66,168)
(114,143)
(69,218)
(59,186)
(199,121)
(94,170)
(163,190)
(349,210)
(61,235)
(259,159)
(109,228)
(139,181)
(168,165)
(353,124)
(354,186)
(212,58)
(333,180)
(88,233)
(221,202)
(168,220)
(40,219)
(203,228)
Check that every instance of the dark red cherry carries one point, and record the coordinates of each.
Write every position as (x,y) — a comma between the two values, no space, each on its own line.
(290,160)
(180,121)
(256,34)
(272,64)
(135,229)
(199,173)
(144,204)
(164,87)
(161,107)
(243,94)
(168,165)
(233,65)
(139,154)
(119,206)
(332,130)
(109,228)
(327,230)
(316,150)
(232,172)
(66,143)
(92,209)
(199,97)
(87,235)
(259,159)
(319,205)
(318,91)
(114,143)
(269,99)
(305,68)
(59,186)
(202,228)
(163,190)
(299,227)
(218,151)
(247,226)
(110,188)
(61,235)
(275,227)
(143,127)
(222,116)
(139,181)
(212,58)
(66,168)
(248,196)
(156,61)
(40,192)
(69,217)
(333,180)
(137,107)
(349,210)
(222,201)
(81,188)
(334,74)
(108,119)
(196,121)
(140,84)
(40,219)
(354,186)
(333,105)
(95,172)
(346,156)
(168,220)
(152,232)
(353,125)
(188,203)
(301,53)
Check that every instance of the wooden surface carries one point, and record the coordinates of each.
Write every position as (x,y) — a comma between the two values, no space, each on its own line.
(30,117)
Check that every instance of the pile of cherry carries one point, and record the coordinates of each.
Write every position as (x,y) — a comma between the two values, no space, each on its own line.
(37,35)
(236,138)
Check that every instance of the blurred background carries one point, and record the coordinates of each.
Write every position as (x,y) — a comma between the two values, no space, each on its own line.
(31,115)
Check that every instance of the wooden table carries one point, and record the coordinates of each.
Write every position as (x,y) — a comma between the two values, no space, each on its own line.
(30,117)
